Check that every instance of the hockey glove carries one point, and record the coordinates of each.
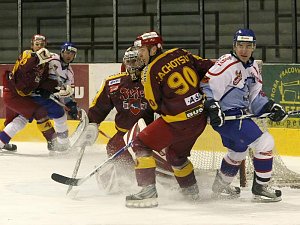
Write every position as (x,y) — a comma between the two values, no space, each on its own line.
(215,113)
(43,93)
(64,92)
(73,110)
(44,55)
(277,112)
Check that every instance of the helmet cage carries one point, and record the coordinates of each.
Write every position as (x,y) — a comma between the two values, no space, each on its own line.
(133,63)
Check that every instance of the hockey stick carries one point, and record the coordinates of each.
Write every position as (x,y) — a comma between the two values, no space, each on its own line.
(265,115)
(76,168)
(63,105)
(78,181)
(104,134)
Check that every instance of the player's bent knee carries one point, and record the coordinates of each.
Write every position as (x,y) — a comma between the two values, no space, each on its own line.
(264,143)
(235,158)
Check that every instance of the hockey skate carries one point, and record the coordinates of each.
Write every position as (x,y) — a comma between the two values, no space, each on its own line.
(264,193)
(51,144)
(191,192)
(224,190)
(146,198)
(10,147)
(55,147)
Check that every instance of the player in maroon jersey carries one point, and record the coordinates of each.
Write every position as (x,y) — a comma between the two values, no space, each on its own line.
(125,93)
(29,73)
(171,83)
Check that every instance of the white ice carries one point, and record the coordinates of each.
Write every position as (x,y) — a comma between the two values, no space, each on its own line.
(30,197)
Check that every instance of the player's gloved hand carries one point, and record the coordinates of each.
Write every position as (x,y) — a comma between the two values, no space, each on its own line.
(215,113)
(65,91)
(73,110)
(44,55)
(277,112)
(43,92)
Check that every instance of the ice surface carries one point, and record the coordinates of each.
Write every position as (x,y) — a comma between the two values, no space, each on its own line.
(28,196)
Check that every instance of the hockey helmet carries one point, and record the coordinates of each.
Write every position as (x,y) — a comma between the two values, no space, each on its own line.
(244,35)
(68,46)
(38,38)
(133,63)
(149,38)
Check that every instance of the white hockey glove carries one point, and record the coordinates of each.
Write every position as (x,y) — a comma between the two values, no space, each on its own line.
(44,55)
(64,92)
(215,113)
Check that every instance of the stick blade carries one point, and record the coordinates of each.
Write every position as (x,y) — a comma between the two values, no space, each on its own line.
(64,180)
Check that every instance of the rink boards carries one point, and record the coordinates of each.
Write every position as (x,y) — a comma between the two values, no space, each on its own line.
(287,140)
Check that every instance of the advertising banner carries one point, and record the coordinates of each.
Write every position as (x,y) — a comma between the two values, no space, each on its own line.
(282,84)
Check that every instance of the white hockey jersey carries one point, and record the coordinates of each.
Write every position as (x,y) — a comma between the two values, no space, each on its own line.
(235,85)
(61,71)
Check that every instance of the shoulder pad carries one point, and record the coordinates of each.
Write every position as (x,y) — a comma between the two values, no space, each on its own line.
(222,64)
(115,79)
(55,56)
(122,74)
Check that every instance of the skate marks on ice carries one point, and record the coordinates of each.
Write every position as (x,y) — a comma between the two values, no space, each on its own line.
(29,196)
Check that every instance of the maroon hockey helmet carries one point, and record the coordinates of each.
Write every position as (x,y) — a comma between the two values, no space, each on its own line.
(39,38)
(149,38)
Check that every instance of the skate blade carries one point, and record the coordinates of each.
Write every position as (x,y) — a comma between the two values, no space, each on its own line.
(145,203)
(223,196)
(264,199)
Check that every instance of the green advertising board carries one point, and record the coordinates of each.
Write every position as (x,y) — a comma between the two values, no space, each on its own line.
(282,84)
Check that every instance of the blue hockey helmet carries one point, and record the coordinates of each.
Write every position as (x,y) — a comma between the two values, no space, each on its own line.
(244,35)
(69,46)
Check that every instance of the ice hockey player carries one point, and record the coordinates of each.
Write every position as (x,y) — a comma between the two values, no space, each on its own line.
(30,72)
(233,86)
(60,70)
(171,83)
(123,92)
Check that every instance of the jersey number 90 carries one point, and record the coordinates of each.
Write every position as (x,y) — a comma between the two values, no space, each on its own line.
(182,82)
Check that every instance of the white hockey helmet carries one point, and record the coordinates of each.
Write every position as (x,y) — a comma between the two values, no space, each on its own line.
(133,63)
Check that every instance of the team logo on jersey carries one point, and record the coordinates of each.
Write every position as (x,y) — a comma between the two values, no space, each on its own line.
(115,81)
(238,77)
(193,99)
(134,105)
(113,88)
(132,99)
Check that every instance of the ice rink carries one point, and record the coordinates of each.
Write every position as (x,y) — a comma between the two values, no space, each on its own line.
(30,197)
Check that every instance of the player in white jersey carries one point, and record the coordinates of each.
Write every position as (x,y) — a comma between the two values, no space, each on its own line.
(233,86)
(61,70)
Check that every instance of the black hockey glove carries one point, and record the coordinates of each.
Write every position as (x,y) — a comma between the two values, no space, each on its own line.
(43,92)
(73,110)
(277,112)
(215,113)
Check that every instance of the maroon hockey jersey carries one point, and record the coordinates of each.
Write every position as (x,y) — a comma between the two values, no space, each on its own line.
(27,75)
(126,96)
(171,82)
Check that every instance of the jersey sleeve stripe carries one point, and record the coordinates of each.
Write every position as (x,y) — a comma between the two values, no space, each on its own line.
(222,71)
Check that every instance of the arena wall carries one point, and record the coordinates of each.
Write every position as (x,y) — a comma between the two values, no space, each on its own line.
(89,77)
